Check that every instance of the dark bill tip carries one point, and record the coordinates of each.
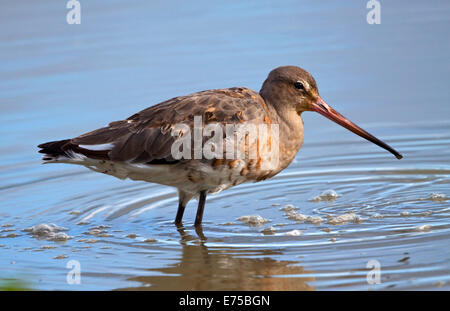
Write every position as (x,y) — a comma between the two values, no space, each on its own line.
(321,107)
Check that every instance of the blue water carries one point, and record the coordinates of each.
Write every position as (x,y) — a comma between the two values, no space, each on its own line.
(59,80)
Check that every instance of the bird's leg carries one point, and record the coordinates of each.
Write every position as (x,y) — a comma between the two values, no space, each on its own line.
(180,212)
(199,231)
(201,207)
(183,199)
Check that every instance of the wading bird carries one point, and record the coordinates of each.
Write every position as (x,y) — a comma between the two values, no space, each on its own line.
(140,147)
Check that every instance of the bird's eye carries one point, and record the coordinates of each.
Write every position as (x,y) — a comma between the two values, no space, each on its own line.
(299,86)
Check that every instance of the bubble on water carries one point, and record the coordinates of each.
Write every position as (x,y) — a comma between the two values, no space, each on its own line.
(253,220)
(405,213)
(327,195)
(44,229)
(438,197)
(378,216)
(99,231)
(61,236)
(288,208)
(422,228)
(93,231)
(293,233)
(333,240)
(292,215)
(345,218)
(48,232)
(316,220)
(268,231)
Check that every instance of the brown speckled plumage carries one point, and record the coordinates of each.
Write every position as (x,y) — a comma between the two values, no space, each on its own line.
(140,146)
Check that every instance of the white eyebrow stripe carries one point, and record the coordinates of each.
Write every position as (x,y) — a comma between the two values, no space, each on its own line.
(99,147)
(305,84)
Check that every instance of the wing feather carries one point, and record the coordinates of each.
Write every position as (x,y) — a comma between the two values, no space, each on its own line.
(145,136)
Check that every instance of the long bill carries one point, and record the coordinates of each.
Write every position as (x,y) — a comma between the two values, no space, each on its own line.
(321,107)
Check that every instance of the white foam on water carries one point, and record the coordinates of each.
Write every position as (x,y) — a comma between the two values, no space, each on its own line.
(294,233)
(293,215)
(423,228)
(48,232)
(327,195)
(345,218)
(288,208)
(438,197)
(253,220)
(378,216)
(268,231)
(316,220)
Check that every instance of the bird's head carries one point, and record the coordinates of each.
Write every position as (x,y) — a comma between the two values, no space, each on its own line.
(292,89)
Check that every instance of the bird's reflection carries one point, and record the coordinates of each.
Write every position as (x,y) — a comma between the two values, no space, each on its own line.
(200,267)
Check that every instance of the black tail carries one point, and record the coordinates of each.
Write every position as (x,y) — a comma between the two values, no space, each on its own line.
(53,149)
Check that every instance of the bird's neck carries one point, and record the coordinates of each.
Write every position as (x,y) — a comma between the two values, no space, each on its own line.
(291,130)
(283,113)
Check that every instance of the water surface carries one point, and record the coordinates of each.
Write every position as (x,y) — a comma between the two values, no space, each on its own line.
(59,80)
